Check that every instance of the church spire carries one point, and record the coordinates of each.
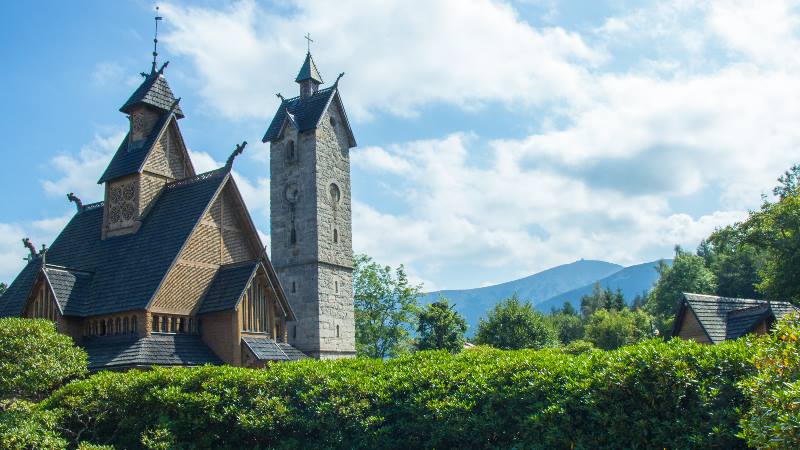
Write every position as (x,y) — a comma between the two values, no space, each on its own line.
(308,78)
(157,18)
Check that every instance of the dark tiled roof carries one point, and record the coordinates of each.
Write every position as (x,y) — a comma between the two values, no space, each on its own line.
(309,71)
(742,321)
(129,160)
(116,352)
(228,286)
(128,269)
(153,91)
(12,302)
(713,312)
(71,289)
(304,112)
(266,349)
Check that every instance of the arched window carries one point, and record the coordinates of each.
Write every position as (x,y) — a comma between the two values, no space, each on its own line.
(118,326)
(291,152)
(102,328)
(133,324)
(126,325)
(173,325)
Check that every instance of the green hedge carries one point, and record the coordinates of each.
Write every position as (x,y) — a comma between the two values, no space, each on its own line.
(654,394)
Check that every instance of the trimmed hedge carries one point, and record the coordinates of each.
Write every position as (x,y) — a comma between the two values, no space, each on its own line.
(652,395)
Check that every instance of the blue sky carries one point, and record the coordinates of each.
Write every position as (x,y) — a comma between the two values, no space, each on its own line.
(496,138)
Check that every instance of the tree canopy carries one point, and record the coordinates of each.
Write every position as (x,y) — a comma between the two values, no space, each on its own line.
(385,308)
(512,325)
(35,359)
(440,327)
(610,329)
(687,273)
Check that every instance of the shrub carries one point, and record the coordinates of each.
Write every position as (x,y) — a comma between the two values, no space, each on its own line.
(677,394)
(578,346)
(610,329)
(24,426)
(513,324)
(35,359)
(774,420)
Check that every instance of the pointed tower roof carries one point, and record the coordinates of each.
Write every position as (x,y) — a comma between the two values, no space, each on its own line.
(309,71)
(154,91)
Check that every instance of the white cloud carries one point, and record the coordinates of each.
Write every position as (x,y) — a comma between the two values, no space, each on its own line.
(79,173)
(398,56)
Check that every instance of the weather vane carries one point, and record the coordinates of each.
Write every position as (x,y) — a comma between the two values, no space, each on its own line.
(155,40)
(308,38)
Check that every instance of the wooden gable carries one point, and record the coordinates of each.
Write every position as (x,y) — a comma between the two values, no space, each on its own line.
(224,235)
(689,327)
(42,301)
(169,158)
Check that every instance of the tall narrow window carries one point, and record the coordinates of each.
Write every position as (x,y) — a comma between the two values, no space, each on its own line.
(336,286)
(155,327)
(335,235)
(337,330)
(294,287)
(291,153)
(293,236)
(126,325)
(133,324)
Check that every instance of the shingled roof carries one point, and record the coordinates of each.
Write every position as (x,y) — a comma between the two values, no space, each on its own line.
(730,318)
(125,351)
(228,286)
(71,289)
(125,270)
(153,91)
(308,71)
(305,114)
(265,349)
(129,160)
(12,302)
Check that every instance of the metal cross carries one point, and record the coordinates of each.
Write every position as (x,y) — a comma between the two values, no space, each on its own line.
(308,38)
(155,39)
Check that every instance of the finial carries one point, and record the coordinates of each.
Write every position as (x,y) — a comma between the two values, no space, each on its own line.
(236,152)
(338,78)
(155,40)
(308,38)
(43,254)
(78,203)
(163,66)
(31,248)
(280,97)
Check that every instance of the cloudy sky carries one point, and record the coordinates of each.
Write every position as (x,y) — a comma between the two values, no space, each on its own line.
(496,138)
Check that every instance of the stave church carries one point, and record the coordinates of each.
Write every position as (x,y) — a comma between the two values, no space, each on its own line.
(168,269)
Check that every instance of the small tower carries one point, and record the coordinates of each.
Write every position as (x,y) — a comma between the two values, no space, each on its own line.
(152,154)
(310,215)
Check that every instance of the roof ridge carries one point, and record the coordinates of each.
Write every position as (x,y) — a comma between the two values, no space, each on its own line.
(91,206)
(749,308)
(68,269)
(195,179)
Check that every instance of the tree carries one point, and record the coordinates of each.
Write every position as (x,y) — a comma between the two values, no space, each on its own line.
(35,359)
(735,263)
(568,309)
(601,299)
(688,273)
(568,327)
(440,327)
(385,307)
(639,301)
(775,228)
(513,325)
(610,329)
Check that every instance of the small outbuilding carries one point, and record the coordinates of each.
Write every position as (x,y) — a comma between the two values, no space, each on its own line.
(711,319)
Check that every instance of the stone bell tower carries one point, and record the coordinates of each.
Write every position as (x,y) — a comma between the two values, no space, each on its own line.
(310,215)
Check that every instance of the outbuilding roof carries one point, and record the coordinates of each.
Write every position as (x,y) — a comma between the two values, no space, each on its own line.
(265,349)
(154,91)
(730,318)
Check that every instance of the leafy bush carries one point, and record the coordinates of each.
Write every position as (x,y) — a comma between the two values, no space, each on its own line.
(513,324)
(610,329)
(24,426)
(578,346)
(652,395)
(35,359)
(774,420)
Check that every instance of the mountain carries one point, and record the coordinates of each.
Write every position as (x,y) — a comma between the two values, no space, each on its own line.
(537,288)
(631,280)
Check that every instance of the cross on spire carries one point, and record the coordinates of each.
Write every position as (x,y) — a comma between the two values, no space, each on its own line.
(308,38)
(155,40)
